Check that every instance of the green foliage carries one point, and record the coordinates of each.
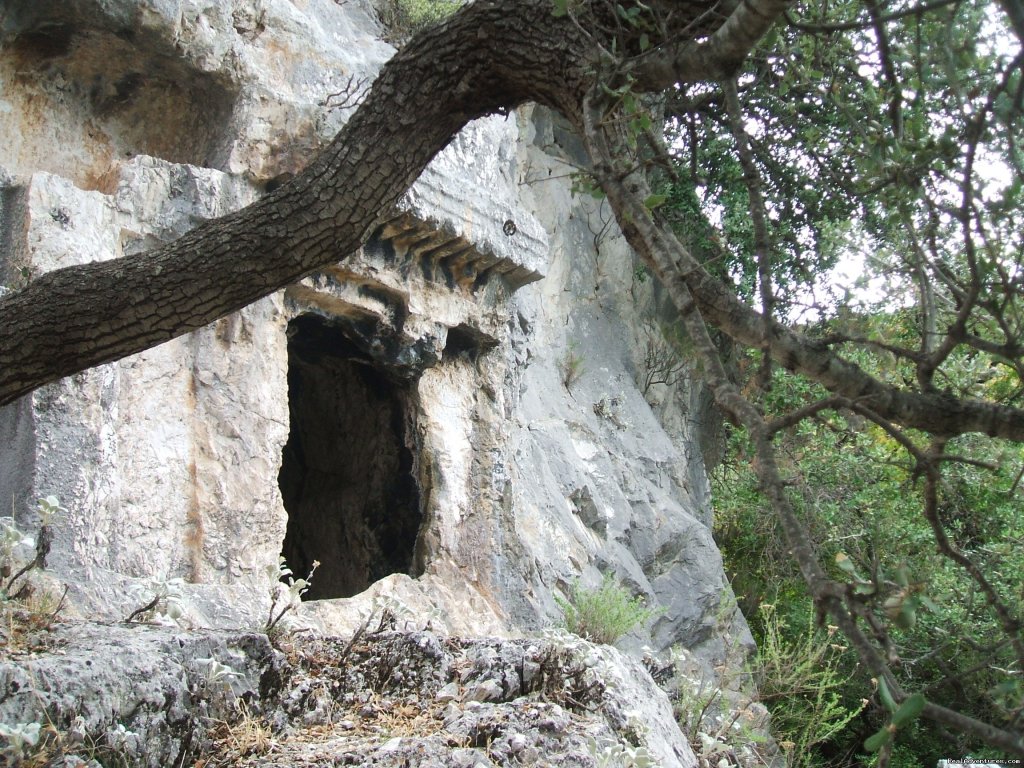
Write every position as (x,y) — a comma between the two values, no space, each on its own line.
(849,166)
(572,365)
(605,614)
(585,184)
(559,8)
(901,716)
(893,146)
(802,677)
(859,497)
(404,18)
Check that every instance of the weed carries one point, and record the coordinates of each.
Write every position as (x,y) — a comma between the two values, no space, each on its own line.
(286,593)
(167,605)
(25,608)
(605,614)
(572,365)
(802,683)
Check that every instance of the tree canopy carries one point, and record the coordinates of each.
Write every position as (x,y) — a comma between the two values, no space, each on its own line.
(746,149)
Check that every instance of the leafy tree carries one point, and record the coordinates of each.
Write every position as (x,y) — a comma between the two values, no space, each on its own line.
(796,137)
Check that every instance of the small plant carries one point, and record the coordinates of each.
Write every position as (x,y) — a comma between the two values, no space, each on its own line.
(286,594)
(605,614)
(167,605)
(217,674)
(218,682)
(572,365)
(802,683)
(695,701)
(25,609)
(584,183)
(10,538)
(20,739)
(615,754)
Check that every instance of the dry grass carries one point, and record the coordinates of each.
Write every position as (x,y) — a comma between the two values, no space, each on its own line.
(25,617)
(248,736)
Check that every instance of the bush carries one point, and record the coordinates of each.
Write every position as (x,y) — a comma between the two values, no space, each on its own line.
(404,18)
(605,614)
(802,680)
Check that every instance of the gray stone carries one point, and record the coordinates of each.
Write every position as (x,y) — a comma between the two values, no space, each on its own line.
(143,691)
(436,360)
(167,461)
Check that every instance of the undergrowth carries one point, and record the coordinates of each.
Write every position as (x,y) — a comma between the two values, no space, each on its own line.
(605,614)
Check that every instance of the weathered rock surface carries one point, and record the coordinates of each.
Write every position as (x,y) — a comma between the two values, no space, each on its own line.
(187,461)
(143,695)
(455,439)
(155,696)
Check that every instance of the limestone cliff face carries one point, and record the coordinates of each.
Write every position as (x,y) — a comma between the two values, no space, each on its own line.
(452,421)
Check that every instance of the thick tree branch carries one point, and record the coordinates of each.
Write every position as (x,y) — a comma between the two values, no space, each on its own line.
(75,318)
(933,412)
(719,55)
(72,319)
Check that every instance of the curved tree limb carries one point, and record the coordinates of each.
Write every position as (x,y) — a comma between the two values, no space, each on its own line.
(626,189)
(74,318)
(491,55)
(719,55)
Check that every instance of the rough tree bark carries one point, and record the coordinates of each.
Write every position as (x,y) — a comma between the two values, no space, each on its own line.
(491,56)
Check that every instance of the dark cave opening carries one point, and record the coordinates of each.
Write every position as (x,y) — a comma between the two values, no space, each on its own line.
(348,472)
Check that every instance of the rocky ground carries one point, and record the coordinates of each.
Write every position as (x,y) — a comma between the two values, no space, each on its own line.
(87,694)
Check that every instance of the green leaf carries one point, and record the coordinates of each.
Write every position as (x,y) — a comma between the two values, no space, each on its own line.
(844,563)
(653,201)
(645,42)
(909,710)
(879,740)
(903,576)
(907,617)
(561,8)
(617,92)
(886,695)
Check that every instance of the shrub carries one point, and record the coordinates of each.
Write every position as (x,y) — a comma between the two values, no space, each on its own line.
(605,614)
(404,18)
(802,680)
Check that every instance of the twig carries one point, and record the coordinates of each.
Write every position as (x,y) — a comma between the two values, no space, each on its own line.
(139,611)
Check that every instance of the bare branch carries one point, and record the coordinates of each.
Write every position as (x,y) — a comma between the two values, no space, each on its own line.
(849,26)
